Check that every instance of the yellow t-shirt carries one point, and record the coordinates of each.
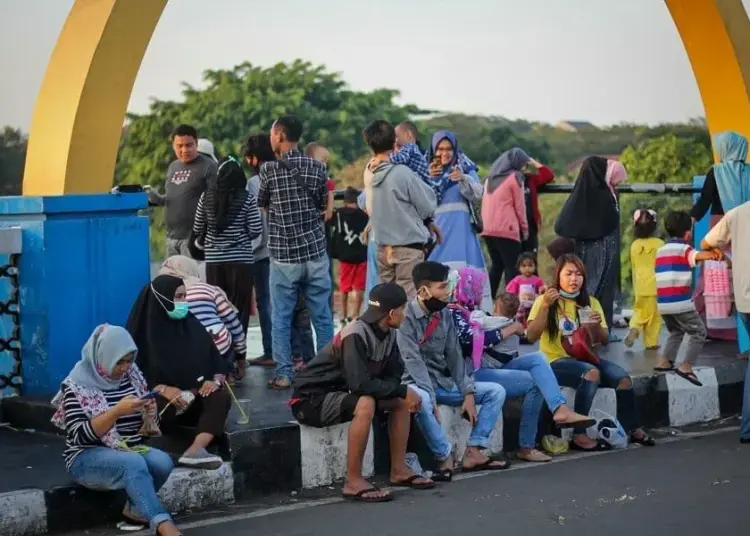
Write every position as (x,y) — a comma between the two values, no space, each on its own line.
(566,310)
(643,262)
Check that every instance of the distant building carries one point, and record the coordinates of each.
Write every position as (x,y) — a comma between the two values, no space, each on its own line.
(574,126)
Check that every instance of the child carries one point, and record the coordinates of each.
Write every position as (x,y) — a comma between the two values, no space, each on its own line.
(350,249)
(526,286)
(646,318)
(674,283)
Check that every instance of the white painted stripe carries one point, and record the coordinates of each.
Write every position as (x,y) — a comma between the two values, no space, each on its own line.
(688,403)
(23,513)
(323,455)
(452,207)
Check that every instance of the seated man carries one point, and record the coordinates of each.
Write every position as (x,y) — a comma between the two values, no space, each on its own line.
(353,376)
(428,342)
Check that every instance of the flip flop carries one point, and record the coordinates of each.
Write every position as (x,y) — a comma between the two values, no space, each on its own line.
(279,384)
(645,440)
(665,369)
(584,423)
(689,376)
(442,475)
(360,496)
(488,466)
(409,483)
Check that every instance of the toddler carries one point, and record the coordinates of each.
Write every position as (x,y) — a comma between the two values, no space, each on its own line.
(646,318)
(526,286)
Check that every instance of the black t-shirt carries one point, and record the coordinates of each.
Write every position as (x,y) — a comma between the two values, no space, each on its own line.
(347,226)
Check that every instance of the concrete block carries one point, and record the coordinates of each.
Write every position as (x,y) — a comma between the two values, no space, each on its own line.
(323,455)
(689,403)
(23,513)
(457,429)
(188,489)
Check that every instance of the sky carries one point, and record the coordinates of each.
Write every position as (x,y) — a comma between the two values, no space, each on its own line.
(605,61)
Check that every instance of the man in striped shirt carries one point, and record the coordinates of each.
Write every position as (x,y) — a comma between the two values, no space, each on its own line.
(674,287)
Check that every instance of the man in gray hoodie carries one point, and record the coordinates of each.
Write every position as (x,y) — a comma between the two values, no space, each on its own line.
(402,205)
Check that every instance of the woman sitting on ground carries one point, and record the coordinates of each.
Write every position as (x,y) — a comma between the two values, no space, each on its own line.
(565,308)
(101,408)
(210,305)
(494,343)
(181,363)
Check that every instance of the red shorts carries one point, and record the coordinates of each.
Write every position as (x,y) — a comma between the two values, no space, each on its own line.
(352,276)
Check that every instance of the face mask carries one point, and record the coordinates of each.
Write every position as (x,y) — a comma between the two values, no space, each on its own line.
(433,304)
(179,312)
(569,295)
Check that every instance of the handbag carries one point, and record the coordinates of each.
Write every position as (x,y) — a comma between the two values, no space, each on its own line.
(578,346)
(196,246)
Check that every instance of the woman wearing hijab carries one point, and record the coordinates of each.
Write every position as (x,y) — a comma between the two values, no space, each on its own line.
(504,215)
(181,362)
(727,185)
(453,177)
(228,221)
(210,305)
(100,407)
(590,217)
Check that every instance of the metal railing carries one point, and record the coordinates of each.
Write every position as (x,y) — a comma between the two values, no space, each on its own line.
(10,374)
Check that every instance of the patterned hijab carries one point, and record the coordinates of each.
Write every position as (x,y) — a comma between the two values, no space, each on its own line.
(442,183)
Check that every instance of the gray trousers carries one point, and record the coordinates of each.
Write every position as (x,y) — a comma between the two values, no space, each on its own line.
(177,247)
(689,323)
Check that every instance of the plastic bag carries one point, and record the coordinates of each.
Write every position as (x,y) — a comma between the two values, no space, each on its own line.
(149,428)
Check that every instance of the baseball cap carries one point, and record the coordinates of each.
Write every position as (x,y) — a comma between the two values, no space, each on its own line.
(383,298)
(207,148)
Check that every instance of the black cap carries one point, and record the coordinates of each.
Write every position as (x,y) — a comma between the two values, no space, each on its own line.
(383,298)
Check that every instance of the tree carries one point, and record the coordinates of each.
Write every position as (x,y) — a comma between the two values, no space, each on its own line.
(667,158)
(12,160)
(248,99)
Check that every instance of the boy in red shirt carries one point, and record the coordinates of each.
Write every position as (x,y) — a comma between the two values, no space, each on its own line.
(350,248)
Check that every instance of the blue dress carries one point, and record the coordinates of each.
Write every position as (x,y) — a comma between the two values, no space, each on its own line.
(460,246)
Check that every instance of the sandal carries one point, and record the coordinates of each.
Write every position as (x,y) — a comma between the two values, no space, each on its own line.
(535,456)
(583,423)
(600,447)
(409,483)
(645,440)
(689,376)
(360,496)
(490,464)
(279,384)
(665,369)
(442,475)
(262,361)
(132,517)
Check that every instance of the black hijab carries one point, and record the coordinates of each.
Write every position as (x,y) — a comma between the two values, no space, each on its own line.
(171,352)
(590,213)
(226,194)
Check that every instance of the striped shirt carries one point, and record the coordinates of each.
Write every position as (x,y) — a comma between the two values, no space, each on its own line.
(79,433)
(208,304)
(235,242)
(674,277)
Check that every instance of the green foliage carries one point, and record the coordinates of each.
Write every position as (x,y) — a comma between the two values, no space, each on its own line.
(12,158)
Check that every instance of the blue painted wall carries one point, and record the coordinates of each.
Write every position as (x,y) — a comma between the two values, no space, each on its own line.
(699,232)
(85,259)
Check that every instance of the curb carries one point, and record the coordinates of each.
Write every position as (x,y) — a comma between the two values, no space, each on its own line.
(34,512)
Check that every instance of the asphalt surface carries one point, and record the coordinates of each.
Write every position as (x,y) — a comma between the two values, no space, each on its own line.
(684,487)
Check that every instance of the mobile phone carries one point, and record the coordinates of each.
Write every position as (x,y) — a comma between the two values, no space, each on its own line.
(150,396)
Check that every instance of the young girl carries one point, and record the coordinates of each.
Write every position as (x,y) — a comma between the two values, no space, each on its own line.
(646,318)
(527,286)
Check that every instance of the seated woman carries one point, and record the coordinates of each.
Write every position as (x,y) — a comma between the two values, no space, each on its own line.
(100,406)
(553,320)
(491,348)
(210,305)
(181,363)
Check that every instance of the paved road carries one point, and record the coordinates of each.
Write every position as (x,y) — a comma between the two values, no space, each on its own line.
(689,487)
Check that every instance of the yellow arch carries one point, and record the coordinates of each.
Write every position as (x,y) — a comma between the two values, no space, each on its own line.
(79,113)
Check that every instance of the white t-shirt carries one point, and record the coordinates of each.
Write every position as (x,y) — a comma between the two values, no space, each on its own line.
(734,227)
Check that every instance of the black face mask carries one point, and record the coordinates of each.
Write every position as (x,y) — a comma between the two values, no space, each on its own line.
(434,305)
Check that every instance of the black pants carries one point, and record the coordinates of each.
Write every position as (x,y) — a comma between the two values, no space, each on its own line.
(208,415)
(236,279)
(531,244)
(504,254)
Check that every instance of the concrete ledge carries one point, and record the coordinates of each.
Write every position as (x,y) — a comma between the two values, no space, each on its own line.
(23,513)
(323,455)
(457,430)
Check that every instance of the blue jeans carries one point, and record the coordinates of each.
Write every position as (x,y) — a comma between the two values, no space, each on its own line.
(490,396)
(745,424)
(531,377)
(261,271)
(313,281)
(570,373)
(141,476)
(302,336)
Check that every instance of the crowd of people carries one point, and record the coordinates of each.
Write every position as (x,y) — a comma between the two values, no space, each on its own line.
(424,323)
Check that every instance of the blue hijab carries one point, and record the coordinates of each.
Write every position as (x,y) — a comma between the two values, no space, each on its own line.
(442,183)
(732,173)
